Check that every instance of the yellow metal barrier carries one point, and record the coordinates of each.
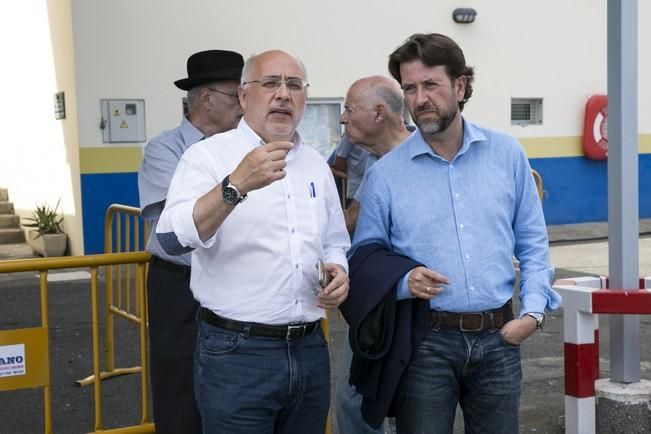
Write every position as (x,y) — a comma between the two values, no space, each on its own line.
(539,182)
(122,241)
(120,300)
(35,341)
(119,237)
(31,364)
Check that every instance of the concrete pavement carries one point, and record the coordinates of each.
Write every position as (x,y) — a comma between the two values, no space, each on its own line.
(583,248)
(591,258)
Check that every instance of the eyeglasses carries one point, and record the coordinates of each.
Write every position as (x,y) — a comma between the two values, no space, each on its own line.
(272,84)
(232,95)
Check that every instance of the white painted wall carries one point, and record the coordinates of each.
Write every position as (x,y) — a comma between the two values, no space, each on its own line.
(94,49)
(39,155)
(521,48)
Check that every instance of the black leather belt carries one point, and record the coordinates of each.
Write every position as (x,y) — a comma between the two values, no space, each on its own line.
(289,332)
(162,263)
(473,321)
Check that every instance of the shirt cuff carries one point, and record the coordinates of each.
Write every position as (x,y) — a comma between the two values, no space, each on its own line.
(540,302)
(403,288)
(337,256)
(183,226)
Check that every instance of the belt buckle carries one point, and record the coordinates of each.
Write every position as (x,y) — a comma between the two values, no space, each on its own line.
(481,323)
(290,336)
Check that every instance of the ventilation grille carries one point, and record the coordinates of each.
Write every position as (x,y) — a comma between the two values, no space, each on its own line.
(526,111)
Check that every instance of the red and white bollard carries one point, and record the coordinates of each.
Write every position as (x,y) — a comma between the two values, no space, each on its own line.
(583,299)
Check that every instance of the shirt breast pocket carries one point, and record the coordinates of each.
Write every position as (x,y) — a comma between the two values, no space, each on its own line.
(307,214)
(314,219)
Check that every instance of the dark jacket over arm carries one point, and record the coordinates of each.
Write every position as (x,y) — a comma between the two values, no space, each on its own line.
(384,333)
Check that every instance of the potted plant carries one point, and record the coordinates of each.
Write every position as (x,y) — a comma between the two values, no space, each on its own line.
(47,238)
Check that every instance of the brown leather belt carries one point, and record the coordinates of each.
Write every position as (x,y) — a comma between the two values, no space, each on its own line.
(289,332)
(473,321)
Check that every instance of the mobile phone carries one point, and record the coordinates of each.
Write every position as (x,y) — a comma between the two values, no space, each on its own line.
(324,275)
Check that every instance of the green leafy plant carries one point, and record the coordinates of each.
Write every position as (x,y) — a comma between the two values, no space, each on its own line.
(46,219)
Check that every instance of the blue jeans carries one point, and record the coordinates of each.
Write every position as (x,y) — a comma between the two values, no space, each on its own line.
(478,370)
(348,401)
(251,384)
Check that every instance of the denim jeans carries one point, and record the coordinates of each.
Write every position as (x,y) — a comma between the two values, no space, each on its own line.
(478,370)
(348,401)
(251,384)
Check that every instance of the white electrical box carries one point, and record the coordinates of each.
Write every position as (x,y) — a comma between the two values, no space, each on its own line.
(123,120)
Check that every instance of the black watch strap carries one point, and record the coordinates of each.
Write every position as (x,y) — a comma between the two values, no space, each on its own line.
(230,193)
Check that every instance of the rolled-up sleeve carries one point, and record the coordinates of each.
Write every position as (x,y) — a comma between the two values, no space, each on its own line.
(336,240)
(176,230)
(532,245)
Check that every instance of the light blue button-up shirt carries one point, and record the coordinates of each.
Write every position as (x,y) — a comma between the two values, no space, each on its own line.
(465,219)
(162,155)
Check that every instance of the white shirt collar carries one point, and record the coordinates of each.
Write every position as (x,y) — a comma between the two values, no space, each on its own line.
(254,139)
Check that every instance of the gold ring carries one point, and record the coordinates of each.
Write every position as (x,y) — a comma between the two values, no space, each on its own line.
(428,289)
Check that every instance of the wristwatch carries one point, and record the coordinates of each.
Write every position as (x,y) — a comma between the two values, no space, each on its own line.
(230,193)
(539,317)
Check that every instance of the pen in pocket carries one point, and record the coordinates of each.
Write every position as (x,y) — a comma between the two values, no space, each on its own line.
(312,190)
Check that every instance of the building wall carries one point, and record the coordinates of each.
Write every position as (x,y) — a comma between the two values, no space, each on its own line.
(39,155)
(555,50)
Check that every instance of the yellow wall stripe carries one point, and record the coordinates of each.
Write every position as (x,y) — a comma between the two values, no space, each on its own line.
(570,146)
(547,147)
(645,144)
(110,160)
(127,159)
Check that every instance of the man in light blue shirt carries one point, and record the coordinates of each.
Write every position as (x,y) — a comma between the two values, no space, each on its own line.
(460,199)
(351,159)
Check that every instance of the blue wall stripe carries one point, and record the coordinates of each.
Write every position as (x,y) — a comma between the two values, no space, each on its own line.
(98,192)
(577,188)
(575,192)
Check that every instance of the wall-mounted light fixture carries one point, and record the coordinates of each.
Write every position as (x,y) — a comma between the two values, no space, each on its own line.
(464,15)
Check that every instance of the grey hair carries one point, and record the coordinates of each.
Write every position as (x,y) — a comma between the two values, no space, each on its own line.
(195,92)
(193,96)
(248,66)
(246,69)
(392,97)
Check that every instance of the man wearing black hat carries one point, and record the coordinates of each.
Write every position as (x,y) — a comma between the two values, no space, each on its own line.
(213,107)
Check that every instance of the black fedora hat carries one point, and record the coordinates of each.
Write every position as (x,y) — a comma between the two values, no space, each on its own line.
(211,65)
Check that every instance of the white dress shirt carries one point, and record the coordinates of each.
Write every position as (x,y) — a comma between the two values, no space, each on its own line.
(260,265)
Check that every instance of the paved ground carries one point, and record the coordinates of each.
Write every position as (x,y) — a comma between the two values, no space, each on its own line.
(69,306)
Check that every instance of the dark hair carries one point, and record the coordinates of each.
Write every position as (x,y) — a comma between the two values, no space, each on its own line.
(434,49)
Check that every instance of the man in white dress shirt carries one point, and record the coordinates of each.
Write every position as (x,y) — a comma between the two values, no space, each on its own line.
(261,363)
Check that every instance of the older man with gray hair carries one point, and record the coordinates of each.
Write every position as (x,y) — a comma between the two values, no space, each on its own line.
(373,119)
(260,209)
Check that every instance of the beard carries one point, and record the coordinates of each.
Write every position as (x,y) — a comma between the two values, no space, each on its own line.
(434,126)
